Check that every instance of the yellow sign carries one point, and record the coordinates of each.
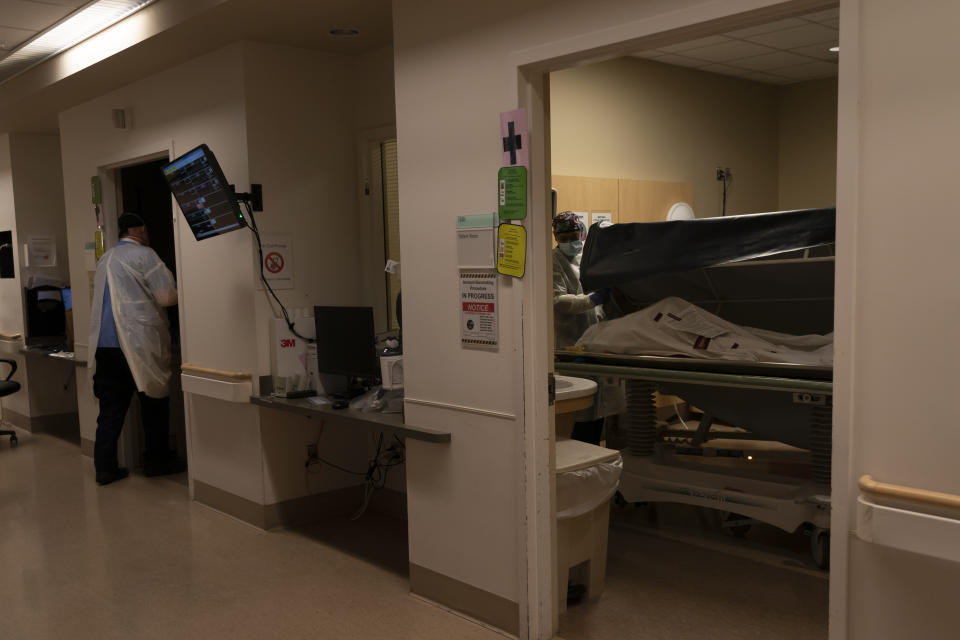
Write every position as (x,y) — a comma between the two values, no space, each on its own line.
(511,250)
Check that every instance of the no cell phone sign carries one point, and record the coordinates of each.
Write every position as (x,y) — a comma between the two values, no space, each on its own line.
(278,261)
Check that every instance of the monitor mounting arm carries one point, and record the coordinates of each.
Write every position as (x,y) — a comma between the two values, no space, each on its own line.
(254,198)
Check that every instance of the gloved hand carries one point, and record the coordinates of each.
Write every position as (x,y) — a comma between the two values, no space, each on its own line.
(599,296)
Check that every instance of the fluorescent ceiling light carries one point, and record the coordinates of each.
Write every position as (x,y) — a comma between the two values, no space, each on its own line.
(835,49)
(93,18)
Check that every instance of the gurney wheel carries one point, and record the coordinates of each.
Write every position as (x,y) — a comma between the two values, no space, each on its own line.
(820,547)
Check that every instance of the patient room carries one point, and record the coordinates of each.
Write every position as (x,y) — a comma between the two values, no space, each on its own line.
(693,341)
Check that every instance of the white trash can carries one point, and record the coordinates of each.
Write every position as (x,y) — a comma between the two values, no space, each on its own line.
(587,478)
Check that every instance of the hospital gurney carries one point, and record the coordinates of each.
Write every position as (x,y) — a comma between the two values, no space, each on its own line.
(771,271)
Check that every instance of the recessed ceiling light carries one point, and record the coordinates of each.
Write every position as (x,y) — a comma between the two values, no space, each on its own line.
(835,49)
(344,32)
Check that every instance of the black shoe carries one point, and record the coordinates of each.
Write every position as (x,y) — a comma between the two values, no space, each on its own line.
(164,467)
(106,477)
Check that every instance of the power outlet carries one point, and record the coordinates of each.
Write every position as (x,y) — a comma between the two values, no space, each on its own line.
(312,453)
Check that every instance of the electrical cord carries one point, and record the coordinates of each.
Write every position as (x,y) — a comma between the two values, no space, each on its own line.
(286,316)
(378,468)
(727,178)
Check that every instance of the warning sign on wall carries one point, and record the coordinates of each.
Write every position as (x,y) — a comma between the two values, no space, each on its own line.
(278,261)
(478,309)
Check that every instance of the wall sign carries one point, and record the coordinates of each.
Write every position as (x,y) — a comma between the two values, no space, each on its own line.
(511,250)
(475,241)
(278,261)
(478,309)
(512,183)
(513,135)
(601,217)
(41,251)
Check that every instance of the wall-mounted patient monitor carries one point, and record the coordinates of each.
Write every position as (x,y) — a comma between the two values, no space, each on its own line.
(206,198)
(346,341)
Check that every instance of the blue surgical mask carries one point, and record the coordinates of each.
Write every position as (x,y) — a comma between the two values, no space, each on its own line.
(570,249)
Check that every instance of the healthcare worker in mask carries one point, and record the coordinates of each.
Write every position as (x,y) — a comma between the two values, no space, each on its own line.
(130,332)
(573,310)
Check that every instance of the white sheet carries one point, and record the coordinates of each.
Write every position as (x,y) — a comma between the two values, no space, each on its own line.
(675,327)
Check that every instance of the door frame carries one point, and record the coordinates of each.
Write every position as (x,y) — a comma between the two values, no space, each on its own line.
(530,69)
(109,174)
(372,250)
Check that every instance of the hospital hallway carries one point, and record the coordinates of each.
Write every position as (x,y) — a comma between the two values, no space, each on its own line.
(138,559)
(680,578)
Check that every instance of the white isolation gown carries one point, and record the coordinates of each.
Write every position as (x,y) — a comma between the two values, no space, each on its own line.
(141,286)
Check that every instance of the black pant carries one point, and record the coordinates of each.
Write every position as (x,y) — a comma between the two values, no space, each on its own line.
(113,386)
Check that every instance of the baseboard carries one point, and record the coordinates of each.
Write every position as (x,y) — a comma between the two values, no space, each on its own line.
(62,425)
(55,423)
(313,508)
(229,503)
(482,605)
(17,419)
(298,511)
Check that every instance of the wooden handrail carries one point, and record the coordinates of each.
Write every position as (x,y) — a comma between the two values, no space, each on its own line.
(935,498)
(9,336)
(186,367)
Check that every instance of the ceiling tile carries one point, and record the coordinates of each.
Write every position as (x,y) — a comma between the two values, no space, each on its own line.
(13,38)
(724,69)
(771,61)
(823,16)
(728,51)
(819,51)
(695,44)
(835,23)
(767,28)
(797,37)
(768,78)
(808,71)
(650,53)
(35,16)
(683,61)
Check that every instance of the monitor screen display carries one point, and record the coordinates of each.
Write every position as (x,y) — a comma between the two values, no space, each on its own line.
(346,341)
(204,195)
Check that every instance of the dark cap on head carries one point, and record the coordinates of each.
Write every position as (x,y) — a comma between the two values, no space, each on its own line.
(128,221)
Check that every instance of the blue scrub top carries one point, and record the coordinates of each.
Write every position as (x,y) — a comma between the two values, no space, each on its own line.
(108,328)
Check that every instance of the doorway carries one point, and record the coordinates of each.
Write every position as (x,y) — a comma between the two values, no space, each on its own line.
(142,189)
(727,197)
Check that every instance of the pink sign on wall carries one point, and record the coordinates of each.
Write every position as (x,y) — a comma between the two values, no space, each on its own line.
(513,134)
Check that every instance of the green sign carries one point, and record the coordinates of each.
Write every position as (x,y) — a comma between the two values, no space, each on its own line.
(95,190)
(513,193)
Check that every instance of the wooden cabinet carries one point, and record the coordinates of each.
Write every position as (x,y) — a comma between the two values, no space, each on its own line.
(625,200)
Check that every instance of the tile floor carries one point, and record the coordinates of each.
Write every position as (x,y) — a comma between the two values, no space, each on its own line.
(137,559)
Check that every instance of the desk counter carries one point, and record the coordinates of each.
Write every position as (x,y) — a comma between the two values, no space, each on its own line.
(392,421)
(68,356)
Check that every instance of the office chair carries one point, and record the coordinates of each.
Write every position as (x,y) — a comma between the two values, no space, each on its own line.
(7,387)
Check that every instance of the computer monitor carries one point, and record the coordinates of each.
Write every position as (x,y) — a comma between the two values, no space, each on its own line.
(206,198)
(346,341)
(46,317)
